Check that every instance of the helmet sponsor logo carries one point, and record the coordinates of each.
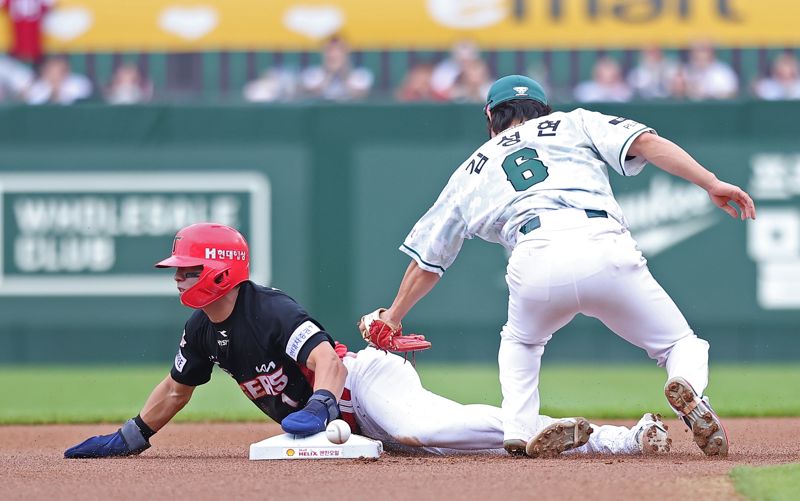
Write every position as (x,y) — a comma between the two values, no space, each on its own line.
(227,254)
(521,91)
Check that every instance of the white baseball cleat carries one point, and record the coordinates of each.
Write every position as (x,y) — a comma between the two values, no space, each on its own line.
(696,412)
(651,435)
(559,436)
(515,447)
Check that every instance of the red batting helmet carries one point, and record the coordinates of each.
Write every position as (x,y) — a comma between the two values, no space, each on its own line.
(223,253)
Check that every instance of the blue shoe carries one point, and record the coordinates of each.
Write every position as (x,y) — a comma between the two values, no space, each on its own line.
(696,412)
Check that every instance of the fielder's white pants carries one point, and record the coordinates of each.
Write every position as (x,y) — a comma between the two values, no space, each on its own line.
(391,405)
(574,264)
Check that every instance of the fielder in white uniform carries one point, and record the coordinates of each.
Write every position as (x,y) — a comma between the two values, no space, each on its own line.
(540,187)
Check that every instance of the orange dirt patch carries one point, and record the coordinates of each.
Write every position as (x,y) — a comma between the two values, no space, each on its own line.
(209,461)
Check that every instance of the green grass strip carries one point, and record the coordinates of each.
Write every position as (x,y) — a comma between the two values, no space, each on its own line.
(89,394)
(767,483)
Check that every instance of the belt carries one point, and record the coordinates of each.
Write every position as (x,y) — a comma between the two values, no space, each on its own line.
(534,222)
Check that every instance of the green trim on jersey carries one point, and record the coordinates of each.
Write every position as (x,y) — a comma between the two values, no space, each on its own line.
(422,260)
(621,158)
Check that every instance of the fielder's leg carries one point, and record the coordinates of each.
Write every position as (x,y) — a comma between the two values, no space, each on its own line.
(628,300)
(541,300)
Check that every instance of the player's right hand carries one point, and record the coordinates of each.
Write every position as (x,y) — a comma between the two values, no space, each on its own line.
(320,409)
(722,193)
(126,441)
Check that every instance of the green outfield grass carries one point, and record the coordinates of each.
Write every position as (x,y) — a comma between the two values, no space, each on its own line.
(768,483)
(99,394)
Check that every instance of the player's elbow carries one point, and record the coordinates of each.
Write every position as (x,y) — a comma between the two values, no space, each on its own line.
(178,393)
(335,367)
(645,145)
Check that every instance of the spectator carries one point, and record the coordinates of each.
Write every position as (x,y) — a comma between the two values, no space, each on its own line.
(336,79)
(707,77)
(416,85)
(679,85)
(128,86)
(58,85)
(274,84)
(606,85)
(784,81)
(473,83)
(26,17)
(653,76)
(15,79)
(446,73)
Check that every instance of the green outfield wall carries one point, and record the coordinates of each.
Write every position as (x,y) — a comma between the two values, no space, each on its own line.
(92,195)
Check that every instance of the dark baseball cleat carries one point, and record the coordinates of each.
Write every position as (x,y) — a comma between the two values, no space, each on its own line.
(515,447)
(696,412)
(559,436)
(651,435)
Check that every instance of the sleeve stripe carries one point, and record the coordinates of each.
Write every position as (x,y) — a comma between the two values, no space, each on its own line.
(422,260)
(299,337)
(625,147)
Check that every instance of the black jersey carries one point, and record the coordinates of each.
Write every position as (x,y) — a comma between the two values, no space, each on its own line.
(263,345)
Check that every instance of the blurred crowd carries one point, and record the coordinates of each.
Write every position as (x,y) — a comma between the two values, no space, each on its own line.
(462,75)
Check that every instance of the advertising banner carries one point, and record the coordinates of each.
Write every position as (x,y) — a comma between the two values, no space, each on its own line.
(201,25)
(99,233)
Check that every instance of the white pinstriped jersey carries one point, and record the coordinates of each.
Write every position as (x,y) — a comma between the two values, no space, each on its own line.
(553,162)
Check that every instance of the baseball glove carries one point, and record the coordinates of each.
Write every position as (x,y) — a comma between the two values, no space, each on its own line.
(383,336)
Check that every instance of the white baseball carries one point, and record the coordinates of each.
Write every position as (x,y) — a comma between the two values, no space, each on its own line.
(338,431)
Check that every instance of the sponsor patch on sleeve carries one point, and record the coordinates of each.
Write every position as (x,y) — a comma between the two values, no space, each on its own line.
(299,338)
(180,361)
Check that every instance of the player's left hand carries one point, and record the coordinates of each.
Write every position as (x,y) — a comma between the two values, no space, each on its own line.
(126,441)
(314,417)
(382,334)
(722,193)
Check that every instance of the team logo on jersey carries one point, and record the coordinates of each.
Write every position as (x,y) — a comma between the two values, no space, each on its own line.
(270,384)
(521,91)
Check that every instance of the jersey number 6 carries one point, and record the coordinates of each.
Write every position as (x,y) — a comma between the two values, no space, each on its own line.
(524,169)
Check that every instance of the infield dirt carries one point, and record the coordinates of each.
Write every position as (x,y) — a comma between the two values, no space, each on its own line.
(209,461)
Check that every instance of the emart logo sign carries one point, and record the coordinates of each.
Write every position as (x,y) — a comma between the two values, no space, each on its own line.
(669,212)
(99,233)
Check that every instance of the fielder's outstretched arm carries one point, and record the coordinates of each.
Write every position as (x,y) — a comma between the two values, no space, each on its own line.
(671,158)
(416,284)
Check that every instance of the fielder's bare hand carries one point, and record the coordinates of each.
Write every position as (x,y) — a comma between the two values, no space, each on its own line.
(722,194)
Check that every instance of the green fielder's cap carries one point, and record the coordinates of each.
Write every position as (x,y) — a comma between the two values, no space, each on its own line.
(514,87)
